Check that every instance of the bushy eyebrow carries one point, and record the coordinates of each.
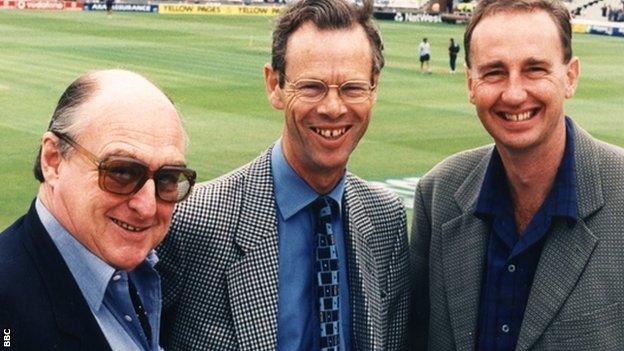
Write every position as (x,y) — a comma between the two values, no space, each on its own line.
(120,153)
(534,61)
(490,65)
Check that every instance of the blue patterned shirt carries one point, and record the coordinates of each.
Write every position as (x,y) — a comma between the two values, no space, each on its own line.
(106,289)
(298,326)
(512,259)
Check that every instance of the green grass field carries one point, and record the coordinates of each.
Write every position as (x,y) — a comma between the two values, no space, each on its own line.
(212,68)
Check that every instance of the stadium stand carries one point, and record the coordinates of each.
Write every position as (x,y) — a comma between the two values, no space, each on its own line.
(399,4)
(615,13)
(593,9)
(408,4)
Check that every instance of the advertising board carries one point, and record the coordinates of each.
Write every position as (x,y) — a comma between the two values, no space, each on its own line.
(204,9)
(41,5)
(97,6)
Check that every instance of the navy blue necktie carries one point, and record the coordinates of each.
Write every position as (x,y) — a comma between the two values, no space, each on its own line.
(140,311)
(327,275)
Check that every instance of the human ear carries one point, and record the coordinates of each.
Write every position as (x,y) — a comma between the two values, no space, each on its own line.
(572,75)
(271,81)
(469,84)
(50,157)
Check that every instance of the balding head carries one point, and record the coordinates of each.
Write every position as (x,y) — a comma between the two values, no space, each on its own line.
(113,89)
(115,190)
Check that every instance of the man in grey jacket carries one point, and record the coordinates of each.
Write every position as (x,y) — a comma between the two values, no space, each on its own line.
(518,246)
(292,251)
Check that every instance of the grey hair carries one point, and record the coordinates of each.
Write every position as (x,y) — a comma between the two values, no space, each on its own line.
(64,117)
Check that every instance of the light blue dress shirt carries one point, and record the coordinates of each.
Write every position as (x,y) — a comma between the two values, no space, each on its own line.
(106,289)
(298,326)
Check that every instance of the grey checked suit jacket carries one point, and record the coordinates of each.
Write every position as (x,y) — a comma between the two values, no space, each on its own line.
(219,265)
(577,299)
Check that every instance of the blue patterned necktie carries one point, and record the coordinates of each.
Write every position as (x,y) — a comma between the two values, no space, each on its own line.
(327,275)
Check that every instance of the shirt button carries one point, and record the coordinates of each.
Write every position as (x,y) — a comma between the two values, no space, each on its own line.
(511,268)
(505,328)
(128,318)
(116,277)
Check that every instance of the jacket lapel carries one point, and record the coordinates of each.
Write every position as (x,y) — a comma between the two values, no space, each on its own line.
(71,311)
(252,279)
(464,256)
(567,251)
(563,259)
(464,241)
(364,284)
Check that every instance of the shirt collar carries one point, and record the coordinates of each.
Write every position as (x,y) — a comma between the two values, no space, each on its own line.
(292,193)
(564,189)
(494,189)
(494,192)
(91,273)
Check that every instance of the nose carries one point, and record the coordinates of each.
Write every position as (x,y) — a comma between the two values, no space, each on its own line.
(144,201)
(514,93)
(332,105)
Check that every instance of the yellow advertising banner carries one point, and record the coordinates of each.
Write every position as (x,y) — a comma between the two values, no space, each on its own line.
(218,9)
(579,28)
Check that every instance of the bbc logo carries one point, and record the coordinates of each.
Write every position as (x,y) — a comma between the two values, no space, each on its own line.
(7,338)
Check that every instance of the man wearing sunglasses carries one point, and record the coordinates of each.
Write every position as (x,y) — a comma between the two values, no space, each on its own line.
(292,252)
(76,272)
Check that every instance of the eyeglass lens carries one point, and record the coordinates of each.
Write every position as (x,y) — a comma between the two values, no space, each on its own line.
(351,91)
(173,184)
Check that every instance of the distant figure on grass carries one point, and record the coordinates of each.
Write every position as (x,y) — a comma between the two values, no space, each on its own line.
(453,51)
(109,7)
(424,50)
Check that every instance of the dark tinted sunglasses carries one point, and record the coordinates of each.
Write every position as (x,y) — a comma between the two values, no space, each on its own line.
(125,176)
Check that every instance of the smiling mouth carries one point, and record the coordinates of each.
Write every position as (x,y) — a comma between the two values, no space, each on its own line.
(518,117)
(331,133)
(127,226)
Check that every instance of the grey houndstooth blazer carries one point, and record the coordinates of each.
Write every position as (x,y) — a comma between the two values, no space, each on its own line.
(577,299)
(219,265)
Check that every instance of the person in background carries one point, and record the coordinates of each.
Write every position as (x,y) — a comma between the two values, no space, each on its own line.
(453,51)
(76,272)
(109,8)
(424,53)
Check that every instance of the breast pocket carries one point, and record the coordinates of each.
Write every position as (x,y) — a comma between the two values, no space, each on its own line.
(602,330)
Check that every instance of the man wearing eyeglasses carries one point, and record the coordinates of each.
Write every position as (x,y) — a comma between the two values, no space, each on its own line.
(76,272)
(292,252)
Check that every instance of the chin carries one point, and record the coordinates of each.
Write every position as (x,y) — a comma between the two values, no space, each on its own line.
(130,261)
(129,265)
(332,166)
